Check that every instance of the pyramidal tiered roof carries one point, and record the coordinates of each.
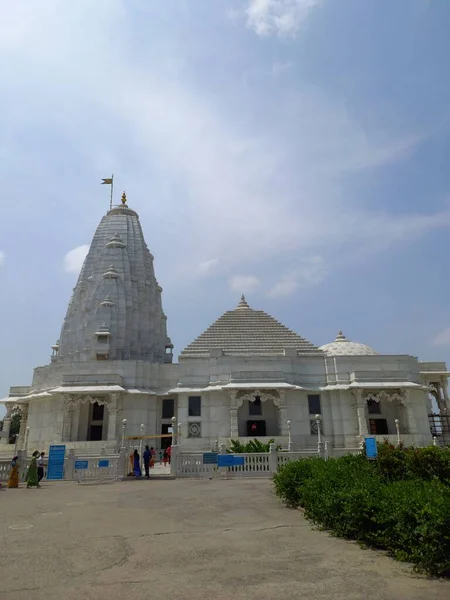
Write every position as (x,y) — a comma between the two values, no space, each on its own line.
(244,331)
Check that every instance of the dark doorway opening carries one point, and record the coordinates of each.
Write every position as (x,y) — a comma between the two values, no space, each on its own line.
(95,433)
(165,441)
(256,428)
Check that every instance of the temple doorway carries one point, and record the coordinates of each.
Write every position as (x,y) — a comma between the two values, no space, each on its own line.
(256,428)
(97,414)
(165,441)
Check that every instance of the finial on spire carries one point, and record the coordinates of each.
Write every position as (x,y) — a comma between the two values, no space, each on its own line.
(124,199)
(340,337)
(243,303)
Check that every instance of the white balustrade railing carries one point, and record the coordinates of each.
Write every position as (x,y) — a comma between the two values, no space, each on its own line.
(94,468)
(5,467)
(255,465)
(191,465)
(337,452)
(285,457)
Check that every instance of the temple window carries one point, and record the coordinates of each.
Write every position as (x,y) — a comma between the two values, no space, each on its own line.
(255,408)
(314,407)
(378,427)
(102,339)
(168,408)
(102,356)
(373,407)
(195,406)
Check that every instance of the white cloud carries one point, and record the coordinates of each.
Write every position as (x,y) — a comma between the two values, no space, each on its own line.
(73,260)
(442,338)
(281,67)
(245,200)
(207,267)
(244,284)
(2,258)
(309,272)
(280,17)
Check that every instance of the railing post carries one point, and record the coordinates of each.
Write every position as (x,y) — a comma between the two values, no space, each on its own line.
(70,465)
(326,450)
(318,420)
(174,461)
(273,459)
(434,440)
(122,466)
(23,467)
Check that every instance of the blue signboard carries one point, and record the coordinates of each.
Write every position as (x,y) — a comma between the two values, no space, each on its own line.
(81,464)
(103,463)
(210,458)
(371,447)
(225,460)
(229,460)
(56,456)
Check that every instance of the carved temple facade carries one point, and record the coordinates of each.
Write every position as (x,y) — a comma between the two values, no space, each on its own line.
(246,376)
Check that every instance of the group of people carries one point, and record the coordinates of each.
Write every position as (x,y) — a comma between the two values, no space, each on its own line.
(148,458)
(35,472)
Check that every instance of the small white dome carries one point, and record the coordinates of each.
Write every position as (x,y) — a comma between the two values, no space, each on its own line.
(344,347)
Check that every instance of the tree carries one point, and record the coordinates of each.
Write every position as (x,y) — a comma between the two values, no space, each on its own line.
(15,426)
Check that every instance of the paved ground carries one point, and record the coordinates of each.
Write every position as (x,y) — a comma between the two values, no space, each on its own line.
(183,539)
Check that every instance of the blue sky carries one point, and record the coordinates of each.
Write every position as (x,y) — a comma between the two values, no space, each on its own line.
(294,150)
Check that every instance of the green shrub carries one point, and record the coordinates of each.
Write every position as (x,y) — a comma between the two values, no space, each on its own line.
(253,446)
(400,505)
(395,463)
(290,478)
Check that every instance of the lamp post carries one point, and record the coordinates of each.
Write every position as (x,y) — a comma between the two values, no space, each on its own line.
(289,435)
(141,441)
(178,434)
(318,419)
(124,426)
(174,431)
(397,427)
(27,433)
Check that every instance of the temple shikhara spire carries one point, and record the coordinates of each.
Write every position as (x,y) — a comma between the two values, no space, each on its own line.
(247,375)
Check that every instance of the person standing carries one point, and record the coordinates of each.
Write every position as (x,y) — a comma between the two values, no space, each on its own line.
(13,481)
(169,453)
(147,458)
(136,464)
(40,466)
(32,473)
(153,457)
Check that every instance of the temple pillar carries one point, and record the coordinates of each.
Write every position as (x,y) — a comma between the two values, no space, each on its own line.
(6,425)
(234,427)
(113,411)
(361,415)
(282,414)
(67,423)
(410,417)
(23,427)
(445,389)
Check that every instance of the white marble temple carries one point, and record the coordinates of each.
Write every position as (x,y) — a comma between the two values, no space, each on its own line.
(246,376)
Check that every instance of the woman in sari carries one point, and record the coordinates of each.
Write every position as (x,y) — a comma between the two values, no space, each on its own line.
(136,466)
(14,473)
(32,473)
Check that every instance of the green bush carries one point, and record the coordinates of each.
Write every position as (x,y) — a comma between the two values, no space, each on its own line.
(383,505)
(395,463)
(253,446)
